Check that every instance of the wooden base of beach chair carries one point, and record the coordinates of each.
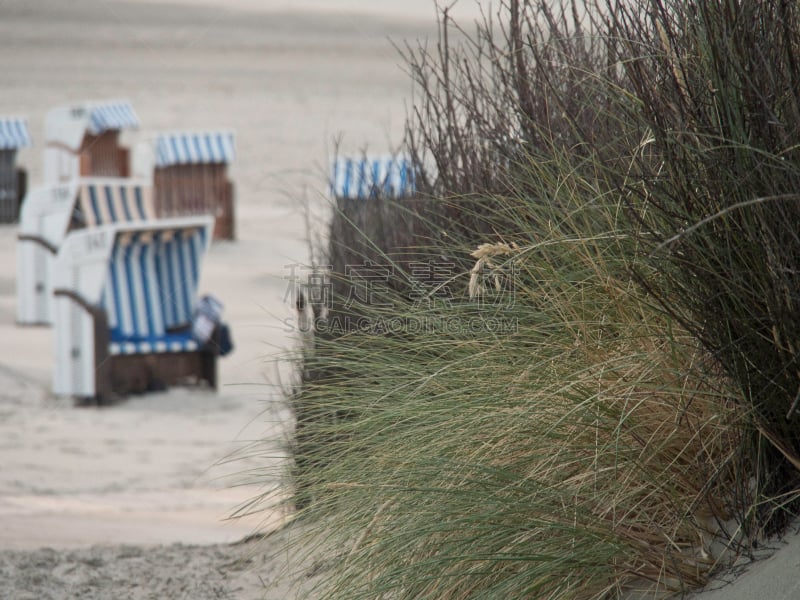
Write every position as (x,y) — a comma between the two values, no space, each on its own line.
(139,373)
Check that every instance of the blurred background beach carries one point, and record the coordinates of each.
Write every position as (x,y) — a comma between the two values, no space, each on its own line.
(289,78)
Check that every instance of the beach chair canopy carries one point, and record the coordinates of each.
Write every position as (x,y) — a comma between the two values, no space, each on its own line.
(14,133)
(50,211)
(192,148)
(144,276)
(67,125)
(372,177)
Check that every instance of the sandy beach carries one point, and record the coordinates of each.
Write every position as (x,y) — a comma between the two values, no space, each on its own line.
(124,484)
(134,500)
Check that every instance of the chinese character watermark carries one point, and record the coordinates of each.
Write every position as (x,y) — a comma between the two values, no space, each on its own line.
(428,286)
(431,283)
(310,285)
(369,283)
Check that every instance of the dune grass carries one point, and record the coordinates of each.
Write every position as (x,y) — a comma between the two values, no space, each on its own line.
(597,397)
(717,84)
(560,438)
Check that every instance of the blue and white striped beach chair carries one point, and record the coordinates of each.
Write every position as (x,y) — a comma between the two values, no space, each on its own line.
(49,213)
(372,177)
(125,296)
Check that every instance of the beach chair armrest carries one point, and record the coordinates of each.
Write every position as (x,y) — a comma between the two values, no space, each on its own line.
(90,308)
(37,239)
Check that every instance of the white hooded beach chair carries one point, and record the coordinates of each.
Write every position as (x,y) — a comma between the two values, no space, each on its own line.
(362,178)
(50,213)
(13,136)
(125,295)
(83,140)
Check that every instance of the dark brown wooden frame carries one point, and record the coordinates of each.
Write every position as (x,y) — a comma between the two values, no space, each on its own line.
(180,190)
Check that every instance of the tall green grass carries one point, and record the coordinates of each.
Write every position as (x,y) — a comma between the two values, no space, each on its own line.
(596,396)
(587,448)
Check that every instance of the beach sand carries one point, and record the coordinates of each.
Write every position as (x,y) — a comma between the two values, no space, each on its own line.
(156,470)
(132,500)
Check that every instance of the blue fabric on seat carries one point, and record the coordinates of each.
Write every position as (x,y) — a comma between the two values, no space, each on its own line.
(150,289)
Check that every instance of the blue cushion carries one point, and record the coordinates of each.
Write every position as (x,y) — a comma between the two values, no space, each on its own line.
(169,342)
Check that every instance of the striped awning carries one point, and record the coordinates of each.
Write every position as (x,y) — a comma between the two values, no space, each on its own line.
(107,116)
(188,148)
(151,288)
(102,202)
(14,133)
(363,178)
